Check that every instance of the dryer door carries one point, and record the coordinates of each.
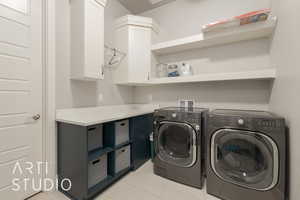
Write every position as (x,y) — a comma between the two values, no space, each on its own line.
(176,143)
(248,159)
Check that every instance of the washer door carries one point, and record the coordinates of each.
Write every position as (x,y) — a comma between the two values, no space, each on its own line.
(176,143)
(248,159)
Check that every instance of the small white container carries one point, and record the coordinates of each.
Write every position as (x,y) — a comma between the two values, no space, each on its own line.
(161,70)
(173,70)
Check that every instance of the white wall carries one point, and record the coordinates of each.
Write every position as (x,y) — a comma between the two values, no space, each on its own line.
(285,98)
(229,94)
(77,93)
(184,18)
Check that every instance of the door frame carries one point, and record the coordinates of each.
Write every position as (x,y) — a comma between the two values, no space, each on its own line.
(49,105)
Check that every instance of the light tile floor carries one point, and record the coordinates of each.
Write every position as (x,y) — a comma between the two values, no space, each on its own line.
(141,185)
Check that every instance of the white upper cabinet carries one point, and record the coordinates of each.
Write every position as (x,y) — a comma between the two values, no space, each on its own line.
(87,39)
(134,36)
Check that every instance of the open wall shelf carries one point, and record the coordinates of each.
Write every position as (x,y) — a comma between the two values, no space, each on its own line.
(225,36)
(265,74)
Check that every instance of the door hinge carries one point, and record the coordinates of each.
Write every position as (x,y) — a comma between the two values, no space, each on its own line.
(102,70)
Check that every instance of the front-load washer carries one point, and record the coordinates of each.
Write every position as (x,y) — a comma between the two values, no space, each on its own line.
(179,144)
(246,155)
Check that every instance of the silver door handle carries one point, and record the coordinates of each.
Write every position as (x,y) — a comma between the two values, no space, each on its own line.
(36,117)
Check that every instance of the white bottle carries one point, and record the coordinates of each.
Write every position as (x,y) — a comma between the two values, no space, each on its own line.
(186,69)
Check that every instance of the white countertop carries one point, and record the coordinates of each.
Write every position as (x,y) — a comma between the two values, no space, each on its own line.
(97,115)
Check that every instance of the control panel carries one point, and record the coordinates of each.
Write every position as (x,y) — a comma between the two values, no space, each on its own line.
(269,123)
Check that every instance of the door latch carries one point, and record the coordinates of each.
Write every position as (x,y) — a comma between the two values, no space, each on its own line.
(36,117)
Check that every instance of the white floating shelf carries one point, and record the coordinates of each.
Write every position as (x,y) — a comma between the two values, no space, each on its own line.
(225,36)
(266,74)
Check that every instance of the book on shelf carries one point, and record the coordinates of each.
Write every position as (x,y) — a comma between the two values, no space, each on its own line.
(248,18)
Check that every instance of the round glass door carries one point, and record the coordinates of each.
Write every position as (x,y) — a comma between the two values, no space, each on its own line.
(176,143)
(248,159)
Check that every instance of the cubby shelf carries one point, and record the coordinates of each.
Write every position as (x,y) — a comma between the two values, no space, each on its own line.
(264,74)
(99,152)
(107,182)
(123,144)
(225,36)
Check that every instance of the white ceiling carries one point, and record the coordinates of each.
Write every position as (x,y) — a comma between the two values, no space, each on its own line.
(139,6)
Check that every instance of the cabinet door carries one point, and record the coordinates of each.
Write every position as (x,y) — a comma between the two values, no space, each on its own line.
(140,54)
(94,37)
(141,128)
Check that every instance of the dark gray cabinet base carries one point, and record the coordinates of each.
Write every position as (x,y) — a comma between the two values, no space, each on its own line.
(140,129)
(74,156)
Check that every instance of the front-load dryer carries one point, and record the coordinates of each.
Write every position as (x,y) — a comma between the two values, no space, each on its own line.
(179,144)
(246,155)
